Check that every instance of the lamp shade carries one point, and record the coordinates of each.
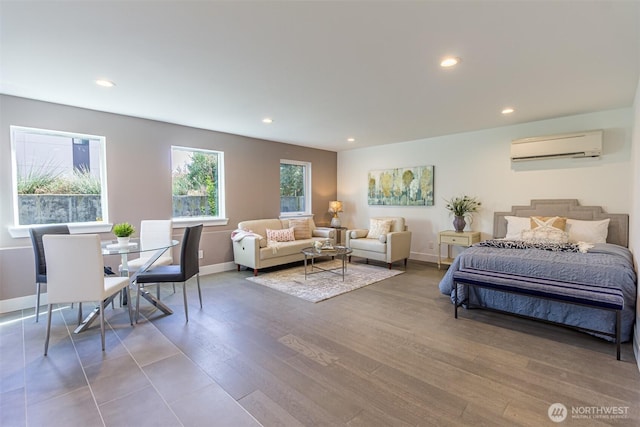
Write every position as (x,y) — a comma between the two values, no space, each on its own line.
(335,207)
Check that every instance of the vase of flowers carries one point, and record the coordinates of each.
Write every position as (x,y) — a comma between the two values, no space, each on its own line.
(462,208)
(123,232)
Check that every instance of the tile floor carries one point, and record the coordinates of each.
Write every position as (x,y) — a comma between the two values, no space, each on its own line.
(141,379)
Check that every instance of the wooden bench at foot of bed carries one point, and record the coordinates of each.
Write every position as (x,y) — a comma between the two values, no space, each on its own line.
(573,293)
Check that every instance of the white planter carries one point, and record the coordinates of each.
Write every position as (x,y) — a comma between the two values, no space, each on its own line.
(123,241)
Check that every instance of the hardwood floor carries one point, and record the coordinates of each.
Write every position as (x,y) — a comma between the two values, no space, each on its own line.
(389,354)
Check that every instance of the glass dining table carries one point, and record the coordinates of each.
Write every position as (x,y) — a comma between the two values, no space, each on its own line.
(133,247)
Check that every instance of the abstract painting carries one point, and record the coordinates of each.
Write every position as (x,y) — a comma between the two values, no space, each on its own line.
(401,186)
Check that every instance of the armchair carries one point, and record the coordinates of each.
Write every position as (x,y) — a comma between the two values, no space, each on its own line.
(387,240)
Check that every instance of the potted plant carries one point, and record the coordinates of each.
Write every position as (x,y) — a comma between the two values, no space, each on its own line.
(123,232)
(462,207)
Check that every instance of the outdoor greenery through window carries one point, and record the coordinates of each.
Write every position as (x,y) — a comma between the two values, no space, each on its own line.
(295,187)
(197,182)
(58,177)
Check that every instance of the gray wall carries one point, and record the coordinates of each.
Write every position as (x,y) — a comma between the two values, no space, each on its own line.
(139,177)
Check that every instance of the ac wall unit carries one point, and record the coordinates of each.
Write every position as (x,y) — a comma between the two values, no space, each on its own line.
(575,145)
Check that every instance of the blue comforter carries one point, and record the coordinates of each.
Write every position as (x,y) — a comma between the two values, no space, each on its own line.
(605,265)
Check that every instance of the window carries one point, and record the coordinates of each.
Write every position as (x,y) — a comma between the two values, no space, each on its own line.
(295,188)
(197,183)
(58,178)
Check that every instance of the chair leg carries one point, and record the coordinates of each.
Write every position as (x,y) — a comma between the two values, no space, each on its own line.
(79,313)
(174,287)
(184,293)
(138,301)
(128,293)
(102,323)
(199,292)
(46,340)
(37,301)
(158,290)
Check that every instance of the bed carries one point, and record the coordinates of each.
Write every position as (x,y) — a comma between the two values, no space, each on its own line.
(606,264)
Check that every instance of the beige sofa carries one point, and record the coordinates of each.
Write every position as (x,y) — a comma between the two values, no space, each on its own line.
(389,243)
(252,249)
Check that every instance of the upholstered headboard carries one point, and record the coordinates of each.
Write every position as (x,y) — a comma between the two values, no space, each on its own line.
(570,208)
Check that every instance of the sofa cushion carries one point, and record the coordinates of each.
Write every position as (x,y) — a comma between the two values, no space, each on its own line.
(301,228)
(378,227)
(283,235)
(282,249)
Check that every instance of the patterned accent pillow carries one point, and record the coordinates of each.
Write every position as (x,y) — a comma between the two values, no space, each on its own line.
(557,222)
(283,235)
(545,235)
(301,228)
(378,227)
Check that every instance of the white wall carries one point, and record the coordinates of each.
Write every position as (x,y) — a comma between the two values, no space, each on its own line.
(477,164)
(634,229)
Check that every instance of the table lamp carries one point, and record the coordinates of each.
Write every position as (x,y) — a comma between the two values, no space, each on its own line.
(335,207)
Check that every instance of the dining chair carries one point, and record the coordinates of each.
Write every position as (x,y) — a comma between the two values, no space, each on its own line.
(75,273)
(153,234)
(36,234)
(188,267)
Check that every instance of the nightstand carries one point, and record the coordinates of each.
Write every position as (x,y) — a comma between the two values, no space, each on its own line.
(453,238)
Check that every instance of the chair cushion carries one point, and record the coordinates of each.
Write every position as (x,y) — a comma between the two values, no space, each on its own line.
(370,245)
(161,273)
(135,264)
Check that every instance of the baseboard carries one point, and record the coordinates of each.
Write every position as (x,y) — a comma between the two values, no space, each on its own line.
(217,268)
(421,256)
(21,303)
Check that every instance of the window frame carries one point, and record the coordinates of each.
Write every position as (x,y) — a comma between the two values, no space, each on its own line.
(207,220)
(307,188)
(22,230)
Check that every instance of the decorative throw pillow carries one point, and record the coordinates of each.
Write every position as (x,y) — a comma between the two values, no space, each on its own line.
(515,226)
(588,231)
(301,228)
(378,227)
(557,222)
(545,235)
(283,235)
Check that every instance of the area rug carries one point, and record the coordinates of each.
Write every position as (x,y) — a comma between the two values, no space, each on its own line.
(323,285)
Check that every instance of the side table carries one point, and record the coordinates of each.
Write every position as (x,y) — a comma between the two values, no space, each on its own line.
(454,238)
(339,232)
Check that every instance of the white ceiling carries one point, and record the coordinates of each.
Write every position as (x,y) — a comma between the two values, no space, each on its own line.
(325,71)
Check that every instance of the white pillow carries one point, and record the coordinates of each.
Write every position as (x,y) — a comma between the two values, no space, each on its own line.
(587,231)
(516,225)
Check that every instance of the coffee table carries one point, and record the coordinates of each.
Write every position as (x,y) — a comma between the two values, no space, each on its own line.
(312,253)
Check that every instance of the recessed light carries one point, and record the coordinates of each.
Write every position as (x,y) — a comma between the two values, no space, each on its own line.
(105,83)
(351,140)
(267,120)
(508,110)
(450,61)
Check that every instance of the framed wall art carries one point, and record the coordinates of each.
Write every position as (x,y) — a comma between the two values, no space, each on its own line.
(401,186)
